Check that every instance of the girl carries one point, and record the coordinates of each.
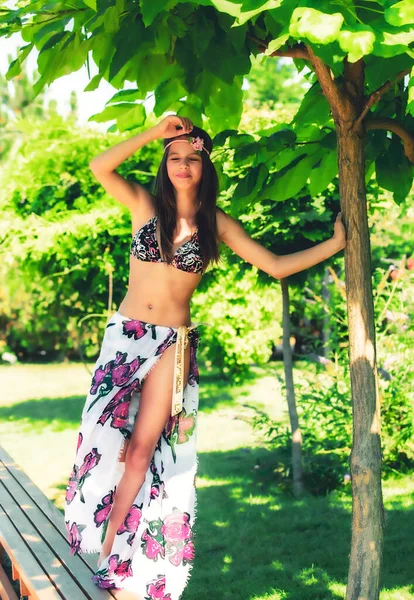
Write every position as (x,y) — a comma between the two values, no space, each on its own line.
(131,494)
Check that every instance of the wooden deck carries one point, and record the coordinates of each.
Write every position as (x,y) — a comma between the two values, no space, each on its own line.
(33,535)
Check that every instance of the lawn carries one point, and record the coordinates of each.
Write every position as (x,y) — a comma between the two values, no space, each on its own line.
(253,540)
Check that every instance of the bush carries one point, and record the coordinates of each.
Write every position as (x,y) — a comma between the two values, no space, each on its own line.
(324,398)
(244,319)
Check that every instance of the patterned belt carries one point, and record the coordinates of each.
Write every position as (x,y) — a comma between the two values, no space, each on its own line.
(181,345)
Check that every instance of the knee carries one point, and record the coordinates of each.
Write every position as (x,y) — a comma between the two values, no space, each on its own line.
(138,457)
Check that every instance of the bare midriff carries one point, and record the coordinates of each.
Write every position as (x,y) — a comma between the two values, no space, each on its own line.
(159,293)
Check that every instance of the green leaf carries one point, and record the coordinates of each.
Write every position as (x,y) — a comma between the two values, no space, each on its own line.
(368,11)
(224,106)
(289,183)
(322,175)
(223,60)
(127,111)
(166,93)
(152,8)
(280,139)
(314,107)
(410,100)
(55,39)
(252,183)
(394,171)
(277,42)
(378,71)
(376,142)
(111,20)
(126,95)
(162,38)
(47,30)
(176,26)
(94,83)
(63,58)
(357,42)
(402,36)
(236,36)
(151,70)
(15,67)
(128,42)
(192,109)
(245,10)
(401,13)
(220,138)
(369,171)
(246,153)
(274,27)
(39,85)
(329,141)
(316,26)
(391,41)
(132,119)
(239,140)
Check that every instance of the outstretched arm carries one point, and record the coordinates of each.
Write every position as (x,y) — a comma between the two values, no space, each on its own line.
(236,238)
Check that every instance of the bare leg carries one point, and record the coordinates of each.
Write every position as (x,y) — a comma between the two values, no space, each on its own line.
(126,491)
(153,414)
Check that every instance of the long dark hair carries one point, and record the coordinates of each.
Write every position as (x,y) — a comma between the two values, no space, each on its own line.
(208,190)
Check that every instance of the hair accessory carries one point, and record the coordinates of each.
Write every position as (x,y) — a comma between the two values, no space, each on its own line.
(196,142)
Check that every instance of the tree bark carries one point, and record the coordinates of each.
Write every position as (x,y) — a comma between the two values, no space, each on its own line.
(365,460)
(297,468)
(326,321)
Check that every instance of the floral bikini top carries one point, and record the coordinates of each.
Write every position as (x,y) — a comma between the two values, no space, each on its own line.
(144,247)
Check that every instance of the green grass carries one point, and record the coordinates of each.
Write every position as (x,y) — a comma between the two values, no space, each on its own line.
(253,540)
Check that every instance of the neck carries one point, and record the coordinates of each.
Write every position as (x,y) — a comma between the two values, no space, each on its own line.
(187,204)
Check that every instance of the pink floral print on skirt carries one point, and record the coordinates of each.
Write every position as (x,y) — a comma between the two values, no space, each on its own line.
(153,550)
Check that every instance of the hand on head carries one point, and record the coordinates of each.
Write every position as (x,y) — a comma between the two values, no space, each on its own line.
(173,126)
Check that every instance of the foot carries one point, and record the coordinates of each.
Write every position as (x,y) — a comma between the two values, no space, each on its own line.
(102,557)
(124,595)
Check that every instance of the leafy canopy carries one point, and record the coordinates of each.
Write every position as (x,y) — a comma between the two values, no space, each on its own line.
(193,56)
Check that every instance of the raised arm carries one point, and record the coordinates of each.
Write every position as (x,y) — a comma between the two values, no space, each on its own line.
(103,166)
(129,193)
(236,238)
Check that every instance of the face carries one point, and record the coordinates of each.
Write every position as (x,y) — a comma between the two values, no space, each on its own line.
(184,165)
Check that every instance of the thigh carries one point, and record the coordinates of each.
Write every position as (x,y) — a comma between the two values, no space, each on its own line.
(155,405)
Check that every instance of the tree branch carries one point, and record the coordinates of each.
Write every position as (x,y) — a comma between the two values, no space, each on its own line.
(375,96)
(354,78)
(397,128)
(339,102)
(297,51)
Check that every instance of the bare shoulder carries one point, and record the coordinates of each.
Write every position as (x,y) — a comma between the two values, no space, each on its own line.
(131,194)
(221,219)
(147,199)
(225,223)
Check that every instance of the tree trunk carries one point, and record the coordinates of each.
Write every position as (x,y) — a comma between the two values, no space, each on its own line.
(368,511)
(326,321)
(297,469)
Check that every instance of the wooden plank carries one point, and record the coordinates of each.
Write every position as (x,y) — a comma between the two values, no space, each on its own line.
(49,509)
(77,574)
(31,573)
(6,590)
